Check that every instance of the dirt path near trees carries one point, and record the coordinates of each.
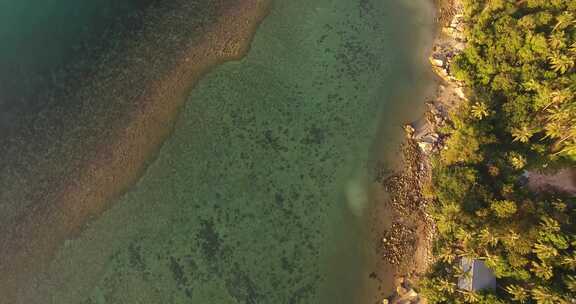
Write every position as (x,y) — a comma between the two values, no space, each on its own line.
(563,180)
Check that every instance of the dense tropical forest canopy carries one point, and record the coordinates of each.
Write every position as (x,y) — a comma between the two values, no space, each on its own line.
(519,67)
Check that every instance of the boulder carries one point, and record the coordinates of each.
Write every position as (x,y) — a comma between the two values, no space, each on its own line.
(401,291)
(430,138)
(420,301)
(437,62)
(442,72)
(425,147)
(411,294)
(409,130)
(460,92)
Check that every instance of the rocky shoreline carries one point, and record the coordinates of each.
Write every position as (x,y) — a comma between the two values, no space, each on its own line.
(407,244)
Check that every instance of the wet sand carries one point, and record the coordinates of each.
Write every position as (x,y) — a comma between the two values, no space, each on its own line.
(29,241)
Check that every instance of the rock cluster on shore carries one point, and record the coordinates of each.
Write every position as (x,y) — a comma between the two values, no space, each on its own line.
(408,242)
(405,294)
(399,242)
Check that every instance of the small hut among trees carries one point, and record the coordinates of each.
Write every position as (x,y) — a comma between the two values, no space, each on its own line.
(476,276)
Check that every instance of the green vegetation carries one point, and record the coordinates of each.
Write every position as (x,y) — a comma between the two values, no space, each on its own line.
(519,66)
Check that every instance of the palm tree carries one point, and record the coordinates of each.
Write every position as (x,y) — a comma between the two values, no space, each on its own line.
(544,251)
(492,260)
(568,149)
(487,238)
(557,40)
(523,133)
(570,282)
(559,113)
(559,205)
(517,160)
(518,293)
(479,110)
(542,270)
(512,235)
(466,252)
(561,63)
(562,96)
(554,98)
(549,224)
(447,255)
(446,221)
(465,237)
(532,85)
(469,296)
(446,286)
(511,238)
(543,295)
(553,129)
(561,127)
(569,262)
(564,20)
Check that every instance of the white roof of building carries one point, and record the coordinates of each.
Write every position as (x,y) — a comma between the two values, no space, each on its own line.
(478,276)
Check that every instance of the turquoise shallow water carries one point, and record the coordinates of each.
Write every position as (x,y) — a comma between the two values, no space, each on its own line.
(260,194)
